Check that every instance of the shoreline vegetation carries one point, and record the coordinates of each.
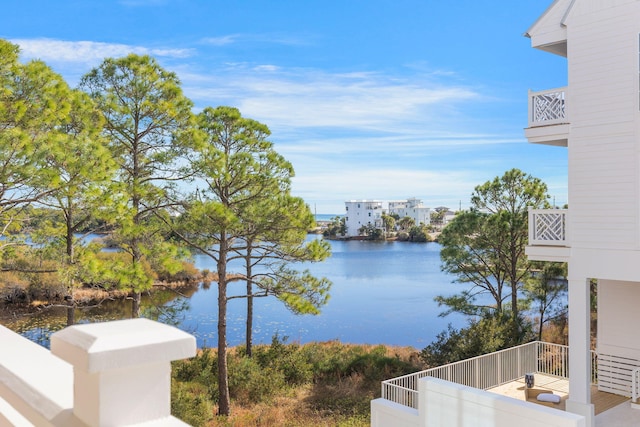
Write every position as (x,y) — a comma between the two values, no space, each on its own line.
(25,301)
(284,384)
(23,296)
(289,384)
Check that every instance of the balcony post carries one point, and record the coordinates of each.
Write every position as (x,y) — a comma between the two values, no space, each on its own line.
(580,349)
(122,370)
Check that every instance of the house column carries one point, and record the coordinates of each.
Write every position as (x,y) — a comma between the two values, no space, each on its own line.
(579,401)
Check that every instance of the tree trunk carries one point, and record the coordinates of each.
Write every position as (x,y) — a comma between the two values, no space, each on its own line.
(249,336)
(135,305)
(71,311)
(514,312)
(224,403)
(540,325)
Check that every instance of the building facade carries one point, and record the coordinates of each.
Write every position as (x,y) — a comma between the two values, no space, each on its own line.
(412,208)
(597,118)
(362,213)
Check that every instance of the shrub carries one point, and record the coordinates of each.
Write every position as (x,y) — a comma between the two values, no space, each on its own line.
(287,359)
(202,369)
(251,383)
(490,333)
(190,403)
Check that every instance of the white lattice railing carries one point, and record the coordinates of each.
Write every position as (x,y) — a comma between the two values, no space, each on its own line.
(548,227)
(490,370)
(547,107)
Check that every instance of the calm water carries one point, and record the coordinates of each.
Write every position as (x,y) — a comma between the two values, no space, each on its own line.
(382,293)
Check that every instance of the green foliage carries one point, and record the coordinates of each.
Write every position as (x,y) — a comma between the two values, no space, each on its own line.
(341,376)
(484,247)
(249,382)
(482,336)
(37,110)
(245,211)
(288,359)
(406,223)
(189,403)
(148,128)
(546,292)
(389,223)
(337,227)
(372,232)
(419,234)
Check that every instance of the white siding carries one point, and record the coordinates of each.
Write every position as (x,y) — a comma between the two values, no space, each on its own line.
(619,317)
(603,145)
(547,29)
(360,213)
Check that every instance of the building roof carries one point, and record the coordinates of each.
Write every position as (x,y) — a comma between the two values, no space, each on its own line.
(548,32)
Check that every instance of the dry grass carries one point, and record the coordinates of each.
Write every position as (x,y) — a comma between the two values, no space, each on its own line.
(296,410)
(347,379)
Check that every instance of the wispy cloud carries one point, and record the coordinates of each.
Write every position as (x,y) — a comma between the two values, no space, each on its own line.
(57,51)
(221,41)
(308,98)
(261,38)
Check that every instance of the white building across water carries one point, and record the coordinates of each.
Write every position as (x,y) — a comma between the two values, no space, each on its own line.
(412,208)
(361,213)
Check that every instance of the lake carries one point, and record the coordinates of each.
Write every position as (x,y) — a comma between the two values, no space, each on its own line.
(382,294)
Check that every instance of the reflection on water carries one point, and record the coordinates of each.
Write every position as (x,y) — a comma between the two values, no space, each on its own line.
(382,293)
(166,306)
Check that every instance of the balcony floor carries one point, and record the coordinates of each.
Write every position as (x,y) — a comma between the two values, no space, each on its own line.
(610,409)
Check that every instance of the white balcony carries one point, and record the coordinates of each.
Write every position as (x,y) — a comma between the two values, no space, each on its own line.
(548,117)
(548,235)
(490,390)
(102,374)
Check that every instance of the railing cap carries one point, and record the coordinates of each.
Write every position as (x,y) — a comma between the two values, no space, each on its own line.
(105,346)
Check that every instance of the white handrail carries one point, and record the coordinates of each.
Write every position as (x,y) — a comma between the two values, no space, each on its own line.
(635,385)
(489,370)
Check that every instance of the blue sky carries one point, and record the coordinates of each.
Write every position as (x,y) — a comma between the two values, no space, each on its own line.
(369,99)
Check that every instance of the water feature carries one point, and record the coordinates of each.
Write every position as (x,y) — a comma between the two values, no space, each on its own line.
(382,294)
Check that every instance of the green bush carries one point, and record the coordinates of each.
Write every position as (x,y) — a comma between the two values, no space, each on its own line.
(483,336)
(287,359)
(202,369)
(251,383)
(190,403)
(340,380)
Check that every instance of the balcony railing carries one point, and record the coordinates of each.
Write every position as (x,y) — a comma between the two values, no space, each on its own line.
(548,227)
(490,370)
(548,107)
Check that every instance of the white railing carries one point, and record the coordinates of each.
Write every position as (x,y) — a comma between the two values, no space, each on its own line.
(490,370)
(101,374)
(635,385)
(547,107)
(548,227)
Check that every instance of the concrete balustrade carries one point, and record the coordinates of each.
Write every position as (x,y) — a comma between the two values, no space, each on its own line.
(102,374)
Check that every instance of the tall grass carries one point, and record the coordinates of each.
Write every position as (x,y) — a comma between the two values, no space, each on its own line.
(292,385)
